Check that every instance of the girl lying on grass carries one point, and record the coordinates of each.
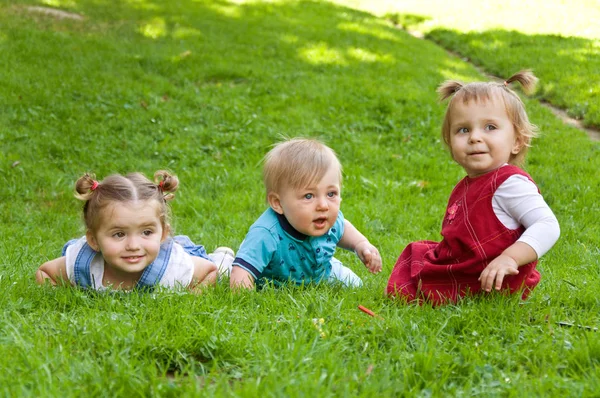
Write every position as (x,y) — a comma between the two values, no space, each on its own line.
(127,243)
(497,224)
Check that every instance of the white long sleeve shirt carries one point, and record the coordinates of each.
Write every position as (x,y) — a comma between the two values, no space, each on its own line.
(517,202)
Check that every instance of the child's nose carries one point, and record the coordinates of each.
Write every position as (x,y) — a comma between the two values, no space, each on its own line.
(322,204)
(475,135)
(132,243)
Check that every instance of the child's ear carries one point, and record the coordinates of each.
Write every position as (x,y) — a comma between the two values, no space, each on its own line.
(165,233)
(518,145)
(275,202)
(91,240)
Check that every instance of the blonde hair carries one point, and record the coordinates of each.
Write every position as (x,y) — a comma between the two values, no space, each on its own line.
(297,163)
(485,91)
(119,188)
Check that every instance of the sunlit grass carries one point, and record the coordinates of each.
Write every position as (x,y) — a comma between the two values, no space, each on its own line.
(59,3)
(531,17)
(230,11)
(380,33)
(506,36)
(321,53)
(154,29)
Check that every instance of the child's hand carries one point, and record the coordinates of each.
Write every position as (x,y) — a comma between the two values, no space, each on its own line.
(493,275)
(369,255)
(240,279)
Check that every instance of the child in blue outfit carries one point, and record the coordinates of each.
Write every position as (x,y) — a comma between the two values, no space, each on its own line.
(294,240)
(127,243)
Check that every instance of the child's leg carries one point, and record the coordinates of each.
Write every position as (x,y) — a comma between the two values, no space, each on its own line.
(223,257)
(340,273)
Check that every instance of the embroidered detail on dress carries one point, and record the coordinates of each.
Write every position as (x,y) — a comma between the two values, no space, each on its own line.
(452,210)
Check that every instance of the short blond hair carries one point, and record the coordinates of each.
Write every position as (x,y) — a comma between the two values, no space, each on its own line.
(297,163)
(486,91)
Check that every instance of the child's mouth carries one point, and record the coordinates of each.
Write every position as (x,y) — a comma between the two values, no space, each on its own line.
(133,259)
(320,222)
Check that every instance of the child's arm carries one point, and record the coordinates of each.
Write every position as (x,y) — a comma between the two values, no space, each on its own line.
(352,239)
(517,202)
(240,278)
(53,271)
(507,263)
(205,274)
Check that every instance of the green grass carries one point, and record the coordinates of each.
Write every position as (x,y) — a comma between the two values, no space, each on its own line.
(204,88)
(559,40)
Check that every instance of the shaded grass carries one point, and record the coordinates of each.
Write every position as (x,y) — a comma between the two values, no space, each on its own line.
(204,88)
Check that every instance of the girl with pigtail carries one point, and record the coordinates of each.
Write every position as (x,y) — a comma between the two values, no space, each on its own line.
(127,244)
(497,223)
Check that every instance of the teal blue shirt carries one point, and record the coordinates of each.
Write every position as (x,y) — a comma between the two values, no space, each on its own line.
(273,251)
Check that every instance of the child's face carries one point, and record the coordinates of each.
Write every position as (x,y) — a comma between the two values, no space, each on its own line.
(129,235)
(311,210)
(482,138)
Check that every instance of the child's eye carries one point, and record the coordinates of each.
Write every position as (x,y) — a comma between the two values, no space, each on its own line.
(490,127)
(332,194)
(148,232)
(119,234)
(308,196)
(463,130)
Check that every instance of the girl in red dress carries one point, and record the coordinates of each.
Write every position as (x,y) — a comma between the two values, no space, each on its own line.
(497,224)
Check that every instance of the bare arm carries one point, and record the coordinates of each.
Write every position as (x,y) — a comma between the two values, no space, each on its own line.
(53,271)
(240,278)
(507,263)
(354,240)
(205,274)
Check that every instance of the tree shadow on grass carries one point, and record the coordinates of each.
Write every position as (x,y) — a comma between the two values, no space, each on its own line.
(567,66)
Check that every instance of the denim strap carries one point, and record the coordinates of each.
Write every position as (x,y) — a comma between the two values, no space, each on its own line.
(155,271)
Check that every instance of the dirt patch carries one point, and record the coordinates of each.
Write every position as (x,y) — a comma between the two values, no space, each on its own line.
(52,12)
(592,133)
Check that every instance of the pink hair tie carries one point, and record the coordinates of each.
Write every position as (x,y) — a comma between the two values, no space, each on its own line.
(160,185)
(94,185)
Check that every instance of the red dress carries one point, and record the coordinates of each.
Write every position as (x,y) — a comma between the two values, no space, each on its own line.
(472,237)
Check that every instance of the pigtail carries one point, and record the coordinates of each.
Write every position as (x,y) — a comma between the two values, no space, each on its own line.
(448,89)
(166,183)
(526,78)
(85,187)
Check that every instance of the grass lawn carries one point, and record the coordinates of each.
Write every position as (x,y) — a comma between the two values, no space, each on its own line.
(204,88)
(560,40)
